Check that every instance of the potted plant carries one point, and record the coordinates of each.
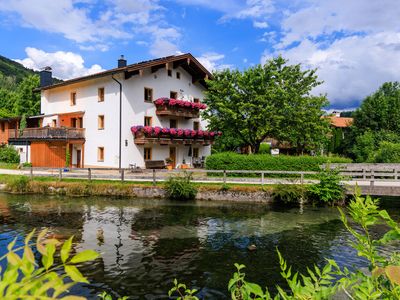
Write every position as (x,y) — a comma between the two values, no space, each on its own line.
(169,161)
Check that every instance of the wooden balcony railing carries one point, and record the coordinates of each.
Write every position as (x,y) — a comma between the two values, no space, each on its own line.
(49,133)
(141,139)
(177,112)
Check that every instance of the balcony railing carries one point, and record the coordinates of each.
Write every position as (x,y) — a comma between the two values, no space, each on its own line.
(167,136)
(178,108)
(49,133)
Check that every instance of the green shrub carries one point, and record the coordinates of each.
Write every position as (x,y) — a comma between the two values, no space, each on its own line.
(27,165)
(329,189)
(19,184)
(180,187)
(9,154)
(265,148)
(289,194)
(234,161)
(388,153)
(30,276)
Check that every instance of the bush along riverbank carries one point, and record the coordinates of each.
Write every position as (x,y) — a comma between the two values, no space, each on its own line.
(182,188)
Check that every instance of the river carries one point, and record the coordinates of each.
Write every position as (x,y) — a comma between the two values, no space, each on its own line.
(145,244)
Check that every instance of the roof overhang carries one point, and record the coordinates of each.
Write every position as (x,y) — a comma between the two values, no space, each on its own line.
(187,61)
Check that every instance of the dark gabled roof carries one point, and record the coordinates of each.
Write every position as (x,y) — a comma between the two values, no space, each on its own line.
(186,61)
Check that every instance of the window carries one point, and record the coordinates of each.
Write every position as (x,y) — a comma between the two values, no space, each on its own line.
(73,122)
(147,121)
(73,98)
(173,95)
(169,73)
(195,152)
(196,125)
(3,126)
(100,154)
(173,123)
(100,122)
(54,123)
(148,95)
(196,100)
(147,154)
(80,122)
(100,93)
(178,75)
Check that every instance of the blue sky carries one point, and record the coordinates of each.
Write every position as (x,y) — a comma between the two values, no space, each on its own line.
(355,44)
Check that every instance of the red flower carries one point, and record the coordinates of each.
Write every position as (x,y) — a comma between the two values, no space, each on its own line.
(173,132)
(165,130)
(200,133)
(148,130)
(187,132)
(179,132)
(193,133)
(157,130)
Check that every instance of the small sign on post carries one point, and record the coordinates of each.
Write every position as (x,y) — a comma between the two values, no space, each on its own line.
(275,151)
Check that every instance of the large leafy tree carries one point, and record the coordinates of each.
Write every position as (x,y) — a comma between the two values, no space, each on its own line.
(272,100)
(376,122)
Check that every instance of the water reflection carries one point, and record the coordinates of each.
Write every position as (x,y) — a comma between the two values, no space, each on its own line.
(145,244)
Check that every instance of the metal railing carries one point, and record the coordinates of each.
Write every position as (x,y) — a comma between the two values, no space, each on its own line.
(49,133)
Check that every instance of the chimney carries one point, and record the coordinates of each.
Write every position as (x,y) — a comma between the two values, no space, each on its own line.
(46,77)
(121,62)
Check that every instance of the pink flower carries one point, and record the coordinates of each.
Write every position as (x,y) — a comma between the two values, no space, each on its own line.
(172,102)
(172,132)
(179,132)
(212,133)
(165,130)
(193,133)
(200,133)
(148,130)
(206,133)
(159,101)
(157,130)
(187,132)
(219,133)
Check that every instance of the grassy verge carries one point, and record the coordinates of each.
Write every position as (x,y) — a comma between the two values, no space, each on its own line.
(79,187)
(9,166)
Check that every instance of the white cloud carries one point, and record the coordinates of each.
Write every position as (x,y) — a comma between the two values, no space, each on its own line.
(351,67)
(260,25)
(65,65)
(213,61)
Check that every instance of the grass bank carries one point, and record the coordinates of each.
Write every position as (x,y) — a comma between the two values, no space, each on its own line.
(78,187)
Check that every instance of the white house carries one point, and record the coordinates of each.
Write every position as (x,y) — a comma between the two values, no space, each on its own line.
(112,118)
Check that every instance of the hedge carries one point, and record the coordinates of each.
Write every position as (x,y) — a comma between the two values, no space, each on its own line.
(234,161)
(9,154)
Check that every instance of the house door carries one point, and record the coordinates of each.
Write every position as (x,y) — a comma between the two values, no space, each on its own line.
(78,158)
(172,156)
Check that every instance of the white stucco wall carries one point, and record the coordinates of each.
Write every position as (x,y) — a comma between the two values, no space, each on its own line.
(134,109)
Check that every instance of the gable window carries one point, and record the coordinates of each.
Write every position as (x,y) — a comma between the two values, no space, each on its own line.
(100,122)
(100,154)
(100,93)
(169,73)
(178,75)
(73,98)
(148,95)
(196,125)
(173,95)
(147,121)
(3,126)
(172,123)
(147,153)
(196,100)
(54,123)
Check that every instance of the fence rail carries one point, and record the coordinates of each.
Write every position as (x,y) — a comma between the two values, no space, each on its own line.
(49,133)
(262,177)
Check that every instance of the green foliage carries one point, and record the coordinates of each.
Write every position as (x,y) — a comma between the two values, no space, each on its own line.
(13,70)
(182,292)
(289,194)
(265,148)
(329,189)
(22,125)
(28,277)
(107,296)
(329,282)
(19,184)
(272,100)
(374,123)
(180,187)
(27,165)
(9,154)
(388,153)
(234,161)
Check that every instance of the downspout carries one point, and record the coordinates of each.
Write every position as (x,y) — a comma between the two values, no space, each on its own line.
(120,120)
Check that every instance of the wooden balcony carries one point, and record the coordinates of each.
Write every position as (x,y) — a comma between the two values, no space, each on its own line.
(49,133)
(183,112)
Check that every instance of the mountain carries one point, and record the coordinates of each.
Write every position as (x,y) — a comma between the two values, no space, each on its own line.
(14,69)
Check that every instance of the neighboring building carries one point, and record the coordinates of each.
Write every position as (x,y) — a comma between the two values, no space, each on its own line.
(340,127)
(82,120)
